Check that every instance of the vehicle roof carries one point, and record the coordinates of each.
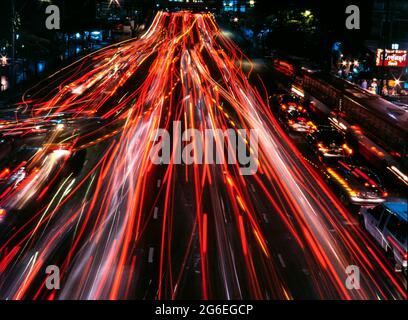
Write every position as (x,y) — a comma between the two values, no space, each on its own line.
(399,208)
(357,181)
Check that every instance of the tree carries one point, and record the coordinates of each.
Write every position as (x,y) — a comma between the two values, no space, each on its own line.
(293,30)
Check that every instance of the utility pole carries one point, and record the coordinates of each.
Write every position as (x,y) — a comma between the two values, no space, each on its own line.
(13,52)
(386,39)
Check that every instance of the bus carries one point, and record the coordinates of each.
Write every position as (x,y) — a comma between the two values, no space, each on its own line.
(383,122)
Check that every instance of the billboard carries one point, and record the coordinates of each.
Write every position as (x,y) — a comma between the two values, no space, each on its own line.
(393,58)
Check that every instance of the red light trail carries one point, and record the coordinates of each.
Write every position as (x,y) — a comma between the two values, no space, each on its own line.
(124,228)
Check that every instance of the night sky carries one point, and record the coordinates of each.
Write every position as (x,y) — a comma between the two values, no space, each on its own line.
(330,13)
(79,13)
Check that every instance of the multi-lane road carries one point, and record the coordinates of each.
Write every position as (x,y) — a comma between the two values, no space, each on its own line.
(86,196)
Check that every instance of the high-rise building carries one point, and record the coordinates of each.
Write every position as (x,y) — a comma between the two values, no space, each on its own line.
(389,24)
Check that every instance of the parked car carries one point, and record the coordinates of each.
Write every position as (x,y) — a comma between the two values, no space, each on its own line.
(387,223)
(329,143)
(296,118)
(358,184)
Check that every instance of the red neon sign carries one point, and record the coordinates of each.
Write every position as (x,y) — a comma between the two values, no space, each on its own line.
(393,58)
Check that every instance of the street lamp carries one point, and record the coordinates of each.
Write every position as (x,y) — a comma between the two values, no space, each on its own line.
(307,13)
(3,60)
(116,2)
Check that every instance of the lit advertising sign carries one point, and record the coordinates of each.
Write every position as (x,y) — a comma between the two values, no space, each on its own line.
(393,58)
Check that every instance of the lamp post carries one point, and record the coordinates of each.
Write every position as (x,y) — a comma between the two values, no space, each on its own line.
(386,39)
(13,50)
(3,61)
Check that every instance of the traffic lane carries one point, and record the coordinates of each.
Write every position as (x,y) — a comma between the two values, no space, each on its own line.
(177,230)
(300,185)
(82,168)
(31,222)
(324,212)
(342,223)
(101,231)
(294,266)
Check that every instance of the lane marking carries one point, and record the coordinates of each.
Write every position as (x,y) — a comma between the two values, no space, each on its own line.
(281,260)
(151,253)
(265,218)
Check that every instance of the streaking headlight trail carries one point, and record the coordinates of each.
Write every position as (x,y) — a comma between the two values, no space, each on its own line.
(125,228)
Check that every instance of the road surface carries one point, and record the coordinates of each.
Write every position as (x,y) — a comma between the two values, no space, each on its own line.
(92,202)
